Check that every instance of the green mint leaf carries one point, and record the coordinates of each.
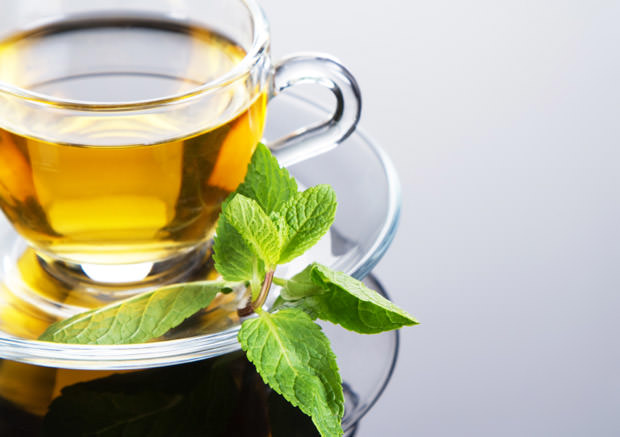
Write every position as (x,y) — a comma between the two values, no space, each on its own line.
(136,319)
(255,227)
(344,300)
(234,259)
(294,358)
(308,216)
(349,303)
(265,182)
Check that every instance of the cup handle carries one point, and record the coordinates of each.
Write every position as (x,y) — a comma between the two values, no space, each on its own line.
(311,141)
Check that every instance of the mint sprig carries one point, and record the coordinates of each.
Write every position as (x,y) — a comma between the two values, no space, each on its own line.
(264,223)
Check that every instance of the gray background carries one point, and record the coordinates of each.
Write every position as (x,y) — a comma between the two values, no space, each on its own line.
(501,117)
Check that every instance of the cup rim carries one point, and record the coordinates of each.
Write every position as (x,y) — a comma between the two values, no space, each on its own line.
(260,42)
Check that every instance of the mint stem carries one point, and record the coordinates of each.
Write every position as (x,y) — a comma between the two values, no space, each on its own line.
(251,307)
(264,291)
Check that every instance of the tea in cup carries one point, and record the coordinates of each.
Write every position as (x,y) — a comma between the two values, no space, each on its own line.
(125,124)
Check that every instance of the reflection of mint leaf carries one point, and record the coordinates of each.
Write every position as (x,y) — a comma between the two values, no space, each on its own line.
(266,182)
(113,414)
(195,399)
(255,227)
(308,216)
(219,397)
(234,259)
(136,319)
(346,301)
(293,356)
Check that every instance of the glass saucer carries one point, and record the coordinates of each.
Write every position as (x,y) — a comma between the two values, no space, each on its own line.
(222,395)
(369,203)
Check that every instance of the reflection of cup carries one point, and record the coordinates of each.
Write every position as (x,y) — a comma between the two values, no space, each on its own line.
(218,397)
(125,123)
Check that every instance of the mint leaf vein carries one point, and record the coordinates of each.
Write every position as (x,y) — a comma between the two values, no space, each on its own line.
(136,319)
(265,182)
(255,227)
(308,217)
(337,297)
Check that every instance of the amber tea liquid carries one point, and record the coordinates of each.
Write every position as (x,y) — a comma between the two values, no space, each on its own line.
(121,187)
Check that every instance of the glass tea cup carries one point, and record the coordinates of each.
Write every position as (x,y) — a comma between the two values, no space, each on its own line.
(124,124)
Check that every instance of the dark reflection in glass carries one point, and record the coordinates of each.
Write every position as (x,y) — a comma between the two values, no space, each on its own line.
(217,397)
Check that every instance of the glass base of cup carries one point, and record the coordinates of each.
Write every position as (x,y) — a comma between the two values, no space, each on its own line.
(127,279)
(62,289)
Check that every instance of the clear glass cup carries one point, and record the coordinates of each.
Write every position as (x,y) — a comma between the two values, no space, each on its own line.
(365,225)
(125,123)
